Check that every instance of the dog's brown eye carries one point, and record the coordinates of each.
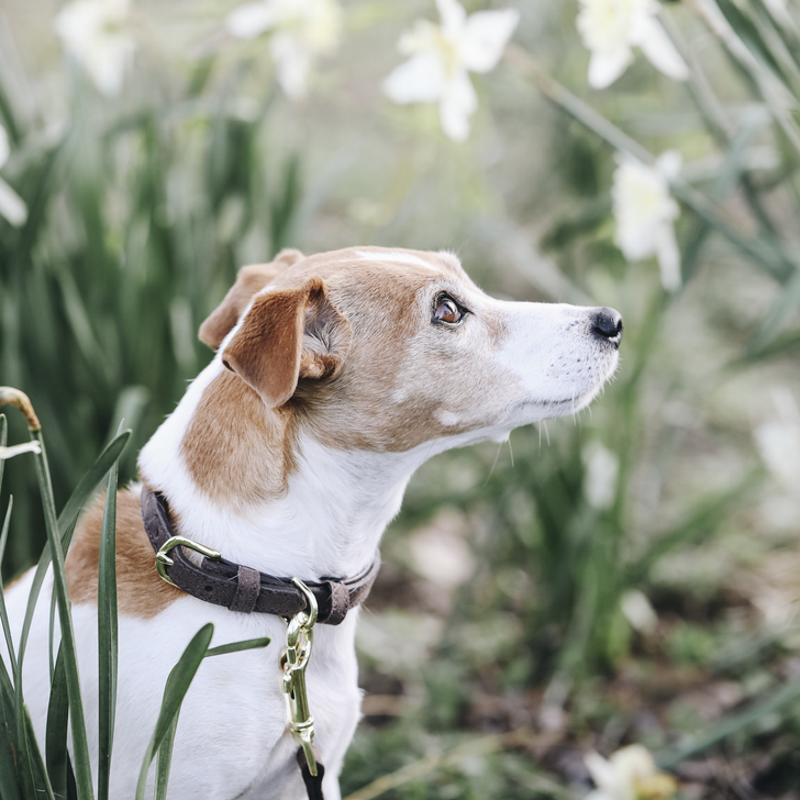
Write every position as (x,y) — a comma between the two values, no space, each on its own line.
(447,310)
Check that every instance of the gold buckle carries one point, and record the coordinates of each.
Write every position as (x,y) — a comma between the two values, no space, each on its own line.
(163,560)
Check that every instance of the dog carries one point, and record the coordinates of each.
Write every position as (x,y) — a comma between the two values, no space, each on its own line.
(335,377)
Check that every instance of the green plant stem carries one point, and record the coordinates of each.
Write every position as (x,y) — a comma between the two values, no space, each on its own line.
(716,119)
(765,254)
(107,636)
(774,93)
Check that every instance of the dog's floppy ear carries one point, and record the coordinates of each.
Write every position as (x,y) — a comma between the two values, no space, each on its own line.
(286,335)
(249,282)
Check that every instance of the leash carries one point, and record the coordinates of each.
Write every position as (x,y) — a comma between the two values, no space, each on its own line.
(240,588)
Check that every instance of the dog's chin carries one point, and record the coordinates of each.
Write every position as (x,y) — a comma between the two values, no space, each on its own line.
(538,410)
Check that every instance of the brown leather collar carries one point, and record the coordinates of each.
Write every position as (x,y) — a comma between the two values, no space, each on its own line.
(241,588)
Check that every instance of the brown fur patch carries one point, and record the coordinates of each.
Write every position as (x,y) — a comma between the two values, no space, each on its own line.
(233,449)
(140,591)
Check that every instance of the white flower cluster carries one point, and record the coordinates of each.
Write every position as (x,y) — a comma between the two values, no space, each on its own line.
(440,57)
(643,207)
(301,31)
(99,35)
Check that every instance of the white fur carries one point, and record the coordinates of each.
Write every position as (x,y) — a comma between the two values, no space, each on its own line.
(232,740)
(395,257)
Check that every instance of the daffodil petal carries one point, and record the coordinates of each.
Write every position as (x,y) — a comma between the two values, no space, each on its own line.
(778,443)
(12,207)
(642,204)
(485,38)
(659,49)
(458,102)
(669,164)
(293,63)
(453,17)
(96,34)
(606,67)
(600,769)
(250,20)
(418,80)
(669,257)
(107,63)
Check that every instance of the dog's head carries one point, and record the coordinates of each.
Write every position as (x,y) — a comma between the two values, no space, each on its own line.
(382,349)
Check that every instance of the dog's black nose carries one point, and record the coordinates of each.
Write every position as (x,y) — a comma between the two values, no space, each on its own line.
(607,323)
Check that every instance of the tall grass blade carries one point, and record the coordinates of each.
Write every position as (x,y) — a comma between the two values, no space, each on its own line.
(55,748)
(3,611)
(708,514)
(782,346)
(83,491)
(782,699)
(42,782)
(164,761)
(108,646)
(788,301)
(178,682)
(9,786)
(3,440)
(83,771)
(24,763)
(237,647)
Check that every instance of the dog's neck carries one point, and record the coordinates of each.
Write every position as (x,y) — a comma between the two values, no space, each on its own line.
(317,512)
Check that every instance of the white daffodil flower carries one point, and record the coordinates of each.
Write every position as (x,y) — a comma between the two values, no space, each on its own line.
(778,441)
(440,57)
(602,471)
(302,30)
(639,612)
(610,29)
(12,206)
(97,34)
(630,774)
(645,212)
(19,449)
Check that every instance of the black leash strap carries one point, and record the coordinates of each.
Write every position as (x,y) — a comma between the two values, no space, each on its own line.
(313,782)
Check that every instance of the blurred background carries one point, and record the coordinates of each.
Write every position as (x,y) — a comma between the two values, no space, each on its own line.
(631,575)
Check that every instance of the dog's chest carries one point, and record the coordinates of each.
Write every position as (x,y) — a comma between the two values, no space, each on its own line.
(232,739)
